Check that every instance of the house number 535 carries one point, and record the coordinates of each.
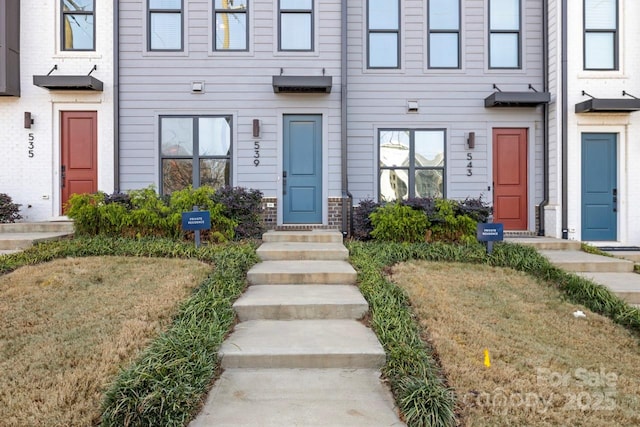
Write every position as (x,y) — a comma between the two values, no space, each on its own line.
(31,145)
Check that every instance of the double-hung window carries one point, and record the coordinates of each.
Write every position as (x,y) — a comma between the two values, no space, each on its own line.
(194,150)
(444,33)
(165,25)
(230,31)
(412,163)
(383,34)
(504,34)
(296,25)
(600,34)
(78,25)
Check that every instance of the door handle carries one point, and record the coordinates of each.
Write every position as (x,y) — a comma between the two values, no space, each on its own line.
(284,183)
(63,175)
(615,199)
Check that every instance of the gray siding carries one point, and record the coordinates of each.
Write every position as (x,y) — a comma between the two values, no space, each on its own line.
(451,99)
(236,83)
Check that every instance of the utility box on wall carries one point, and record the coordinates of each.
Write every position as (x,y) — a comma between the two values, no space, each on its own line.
(9,47)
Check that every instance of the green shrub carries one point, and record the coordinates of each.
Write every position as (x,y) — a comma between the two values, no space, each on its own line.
(396,222)
(9,211)
(84,210)
(243,206)
(447,226)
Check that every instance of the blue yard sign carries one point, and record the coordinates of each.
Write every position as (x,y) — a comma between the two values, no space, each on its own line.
(489,233)
(196,221)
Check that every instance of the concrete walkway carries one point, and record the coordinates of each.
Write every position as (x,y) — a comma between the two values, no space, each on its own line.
(19,236)
(300,356)
(616,272)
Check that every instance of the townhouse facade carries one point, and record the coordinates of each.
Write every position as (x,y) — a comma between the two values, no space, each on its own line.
(322,104)
(56,102)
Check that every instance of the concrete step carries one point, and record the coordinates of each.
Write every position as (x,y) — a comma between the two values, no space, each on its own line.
(546,243)
(302,251)
(578,261)
(38,227)
(633,256)
(624,285)
(16,241)
(302,272)
(317,236)
(299,397)
(302,344)
(288,302)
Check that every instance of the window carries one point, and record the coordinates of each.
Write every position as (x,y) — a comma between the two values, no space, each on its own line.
(600,35)
(194,151)
(383,34)
(412,163)
(78,26)
(444,34)
(296,25)
(230,31)
(165,25)
(504,34)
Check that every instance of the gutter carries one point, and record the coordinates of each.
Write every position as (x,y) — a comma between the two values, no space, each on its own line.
(565,159)
(116,96)
(545,117)
(346,195)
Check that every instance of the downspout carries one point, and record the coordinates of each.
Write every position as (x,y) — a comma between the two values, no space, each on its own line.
(545,117)
(565,159)
(346,195)
(116,96)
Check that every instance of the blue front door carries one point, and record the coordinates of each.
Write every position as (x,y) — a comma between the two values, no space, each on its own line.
(302,169)
(599,188)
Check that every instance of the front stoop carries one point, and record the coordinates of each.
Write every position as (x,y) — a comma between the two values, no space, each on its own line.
(546,243)
(19,236)
(300,354)
(624,285)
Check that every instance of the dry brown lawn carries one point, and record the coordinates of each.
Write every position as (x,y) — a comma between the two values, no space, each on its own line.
(547,367)
(68,326)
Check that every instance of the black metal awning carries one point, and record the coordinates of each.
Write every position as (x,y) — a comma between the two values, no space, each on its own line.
(302,84)
(608,105)
(516,99)
(68,83)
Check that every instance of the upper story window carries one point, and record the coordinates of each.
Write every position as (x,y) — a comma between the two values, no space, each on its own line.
(504,34)
(230,31)
(412,163)
(296,25)
(78,25)
(165,25)
(444,33)
(194,150)
(383,34)
(600,34)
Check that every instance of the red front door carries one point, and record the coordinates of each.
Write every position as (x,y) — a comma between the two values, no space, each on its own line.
(78,153)
(510,178)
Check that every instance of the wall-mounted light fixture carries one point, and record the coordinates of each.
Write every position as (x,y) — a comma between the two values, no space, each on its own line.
(28,121)
(471,140)
(256,128)
(412,106)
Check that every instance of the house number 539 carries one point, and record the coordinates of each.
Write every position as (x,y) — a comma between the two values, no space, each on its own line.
(256,153)
(30,145)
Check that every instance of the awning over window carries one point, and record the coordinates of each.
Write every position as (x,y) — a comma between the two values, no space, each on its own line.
(516,99)
(608,105)
(302,84)
(68,83)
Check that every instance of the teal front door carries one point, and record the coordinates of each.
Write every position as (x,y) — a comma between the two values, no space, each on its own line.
(599,188)
(302,169)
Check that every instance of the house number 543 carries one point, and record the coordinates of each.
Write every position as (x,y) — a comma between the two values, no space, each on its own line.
(256,153)
(31,145)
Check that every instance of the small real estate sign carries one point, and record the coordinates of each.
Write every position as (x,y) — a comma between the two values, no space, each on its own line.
(195,221)
(489,233)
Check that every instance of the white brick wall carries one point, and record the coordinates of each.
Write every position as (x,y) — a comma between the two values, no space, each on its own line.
(34,182)
(606,84)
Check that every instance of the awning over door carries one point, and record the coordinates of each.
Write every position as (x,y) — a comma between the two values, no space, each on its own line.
(608,105)
(68,83)
(516,99)
(302,84)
